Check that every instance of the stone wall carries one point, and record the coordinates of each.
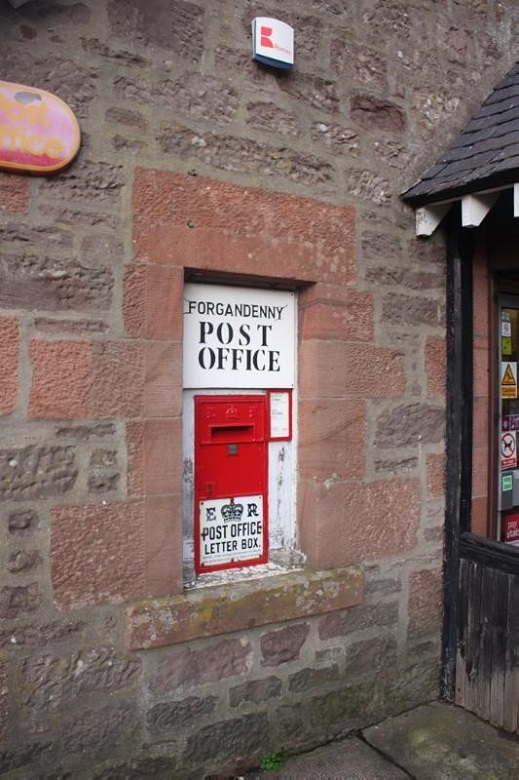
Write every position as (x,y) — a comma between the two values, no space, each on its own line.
(194,157)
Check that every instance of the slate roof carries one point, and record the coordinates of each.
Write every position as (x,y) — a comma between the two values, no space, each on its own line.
(484,156)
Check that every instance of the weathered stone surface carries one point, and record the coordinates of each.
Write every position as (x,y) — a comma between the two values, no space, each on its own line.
(372,657)
(408,424)
(92,181)
(255,691)
(57,327)
(368,186)
(36,635)
(166,719)
(236,740)
(97,729)
(121,56)
(23,522)
(336,137)
(176,26)
(162,767)
(85,432)
(219,661)
(357,619)
(287,597)
(44,238)
(339,712)
(74,83)
(198,97)
(412,310)
(392,465)
(355,62)
(51,680)
(14,194)
(284,644)
(425,602)
(23,560)
(244,155)
(307,679)
(103,483)
(126,116)
(373,114)
(319,93)
(51,283)
(19,600)
(4,702)
(269,116)
(27,756)
(36,472)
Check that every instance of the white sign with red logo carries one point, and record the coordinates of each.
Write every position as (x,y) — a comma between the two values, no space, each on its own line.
(508,450)
(272,42)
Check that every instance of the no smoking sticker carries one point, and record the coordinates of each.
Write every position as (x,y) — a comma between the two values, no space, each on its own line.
(508,450)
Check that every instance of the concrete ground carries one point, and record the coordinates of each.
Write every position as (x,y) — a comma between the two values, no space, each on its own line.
(433,742)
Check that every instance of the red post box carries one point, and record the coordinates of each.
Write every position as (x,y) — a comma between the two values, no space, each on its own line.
(231,478)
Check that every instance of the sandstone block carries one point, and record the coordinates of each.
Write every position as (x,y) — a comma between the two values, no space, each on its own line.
(284,644)
(188,668)
(307,679)
(231,740)
(9,347)
(19,600)
(408,424)
(255,691)
(164,720)
(358,619)
(98,554)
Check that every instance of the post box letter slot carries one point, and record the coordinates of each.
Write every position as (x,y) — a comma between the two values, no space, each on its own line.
(227,433)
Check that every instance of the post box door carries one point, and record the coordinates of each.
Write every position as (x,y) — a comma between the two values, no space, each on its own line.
(231,473)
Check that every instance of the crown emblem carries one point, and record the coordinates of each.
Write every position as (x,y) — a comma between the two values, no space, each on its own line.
(232,511)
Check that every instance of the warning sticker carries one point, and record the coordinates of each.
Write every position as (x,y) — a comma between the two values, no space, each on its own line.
(508,450)
(508,379)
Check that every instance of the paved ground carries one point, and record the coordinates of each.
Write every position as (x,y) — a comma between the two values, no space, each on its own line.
(433,742)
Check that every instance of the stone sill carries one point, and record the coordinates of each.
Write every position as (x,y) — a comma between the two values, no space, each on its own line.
(223,609)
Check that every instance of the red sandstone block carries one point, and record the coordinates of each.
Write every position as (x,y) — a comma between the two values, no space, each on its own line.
(192,221)
(163,539)
(481,422)
(480,471)
(436,475)
(344,522)
(152,305)
(162,456)
(334,369)
(480,516)
(118,383)
(98,554)
(425,602)
(62,378)
(481,355)
(436,365)
(135,450)
(332,439)
(14,193)
(163,380)
(331,312)
(481,301)
(9,351)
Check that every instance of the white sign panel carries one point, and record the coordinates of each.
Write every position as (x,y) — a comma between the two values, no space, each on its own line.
(231,530)
(238,337)
(272,42)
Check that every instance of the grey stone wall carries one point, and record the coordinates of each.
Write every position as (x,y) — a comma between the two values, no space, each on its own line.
(379,89)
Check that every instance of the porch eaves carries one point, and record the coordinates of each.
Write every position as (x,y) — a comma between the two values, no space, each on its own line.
(483,159)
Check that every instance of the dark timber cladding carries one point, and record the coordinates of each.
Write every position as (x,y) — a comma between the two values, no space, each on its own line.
(484,155)
(487,673)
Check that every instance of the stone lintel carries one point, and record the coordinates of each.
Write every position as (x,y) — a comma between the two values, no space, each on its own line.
(210,611)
